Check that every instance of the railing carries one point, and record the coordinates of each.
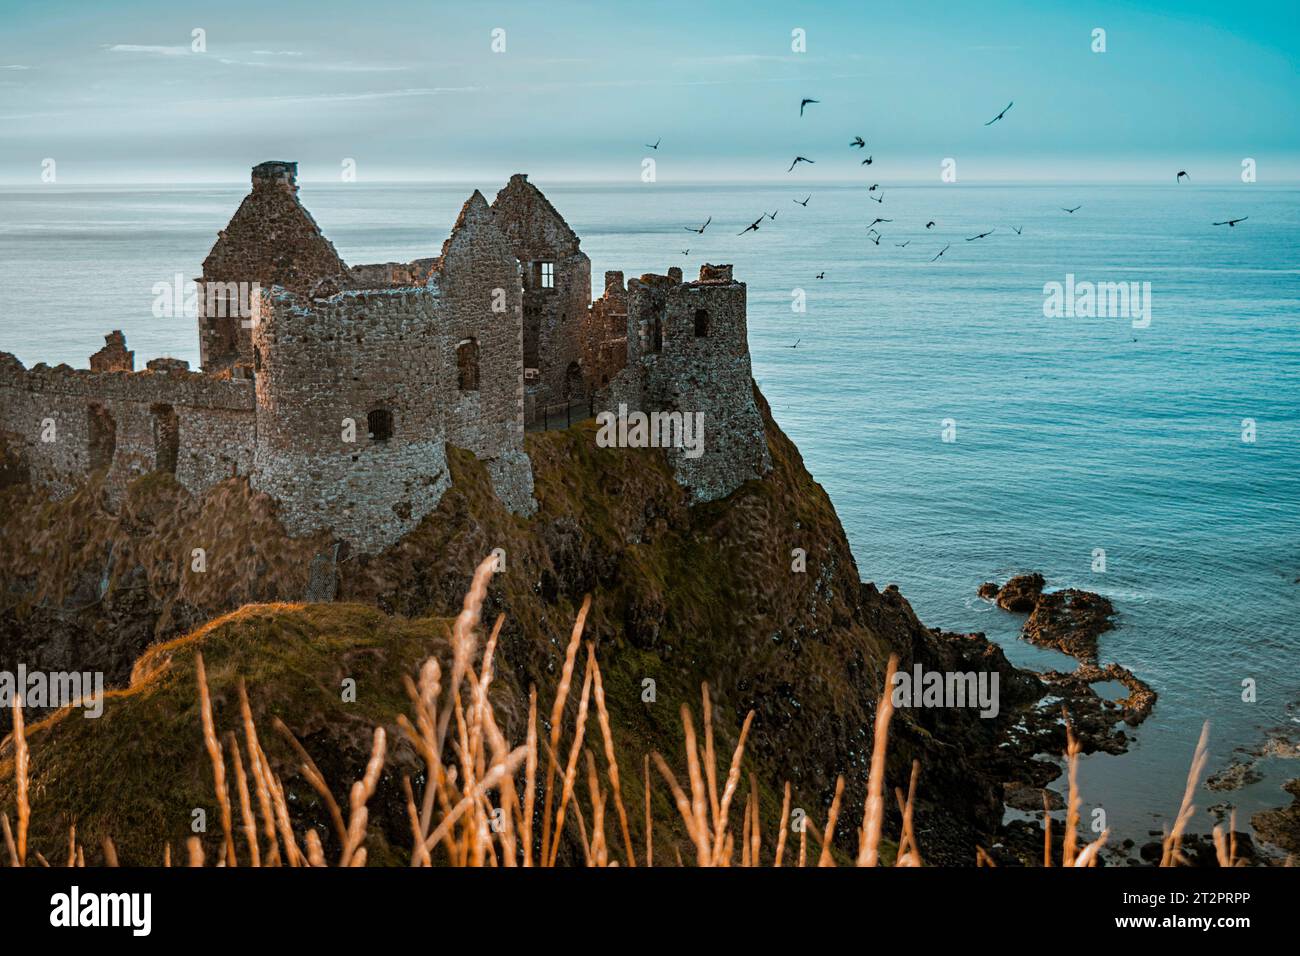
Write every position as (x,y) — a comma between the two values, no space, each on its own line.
(561,415)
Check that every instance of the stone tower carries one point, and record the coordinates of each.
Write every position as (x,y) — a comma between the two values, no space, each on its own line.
(271,240)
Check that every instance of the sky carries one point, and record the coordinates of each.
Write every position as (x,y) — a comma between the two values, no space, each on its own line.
(117,92)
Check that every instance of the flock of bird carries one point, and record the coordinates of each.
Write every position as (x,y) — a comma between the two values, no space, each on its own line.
(876,194)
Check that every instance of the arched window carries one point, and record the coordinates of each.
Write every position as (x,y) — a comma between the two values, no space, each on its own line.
(379,423)
(701,323)
(467,365)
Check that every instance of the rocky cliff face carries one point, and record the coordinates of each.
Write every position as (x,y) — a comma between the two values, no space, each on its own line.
(681,595)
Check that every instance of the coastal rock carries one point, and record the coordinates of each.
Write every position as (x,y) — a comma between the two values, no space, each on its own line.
(1020,594)
(1018,796)
(1233,777)
(1281,827)
(989,590)
(1069,620)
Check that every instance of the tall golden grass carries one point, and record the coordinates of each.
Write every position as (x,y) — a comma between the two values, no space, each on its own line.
(477,804)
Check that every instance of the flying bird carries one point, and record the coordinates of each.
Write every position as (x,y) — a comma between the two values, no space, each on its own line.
(795,346)
(876,238)
(656,143)
(804,202)
(879,199)
(801,159)
(686,252)
(1016,229)
(821,275)
(902,245)
(981,235)
(942,251)
(867,161)
(1231,222)
(804,102)
(772,215)
(873,187)
(930,224)
(1002,114)
(1072,211)
(859,142)
(701,229)
(876,220)
(752,226)
(1181,174)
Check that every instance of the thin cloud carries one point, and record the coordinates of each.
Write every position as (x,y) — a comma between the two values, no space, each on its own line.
(149,50)
(14,66)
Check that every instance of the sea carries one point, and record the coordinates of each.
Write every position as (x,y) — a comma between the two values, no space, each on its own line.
(964,429)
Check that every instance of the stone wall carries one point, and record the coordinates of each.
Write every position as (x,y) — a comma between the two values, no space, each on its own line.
(688,352)
(70,422)
(604,339)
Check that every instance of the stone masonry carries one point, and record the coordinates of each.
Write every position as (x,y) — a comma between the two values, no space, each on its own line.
(339,388)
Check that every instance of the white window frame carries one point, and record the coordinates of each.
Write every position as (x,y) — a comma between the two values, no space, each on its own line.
(547,275)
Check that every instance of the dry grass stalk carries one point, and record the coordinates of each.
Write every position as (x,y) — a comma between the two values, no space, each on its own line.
(909,851)
(362,791)
(315,852)
(530,776)
(733,777)
(1070,840)
(982,858)
(72,845)
(826,859)
(785,823)
(1088,855)
(649,823)
(873,813)
(110,851)
(22,758)
(255,765)
(557,714)
(755,835)
(315,778)
(490,780)
(245,803)
(710,758)
(195,847)
(803,843)
(699,838)
(611,760)
(214,755)
(1172,854)
(570,770)
(9,840)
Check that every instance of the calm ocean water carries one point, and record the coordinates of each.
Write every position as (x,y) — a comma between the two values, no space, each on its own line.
(1071,434)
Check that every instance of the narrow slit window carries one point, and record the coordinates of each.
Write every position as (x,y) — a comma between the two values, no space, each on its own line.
(379,423)
(467,365)
(548,275)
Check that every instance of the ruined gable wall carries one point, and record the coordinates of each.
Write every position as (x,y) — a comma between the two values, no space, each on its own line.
(323,361)
(554,318)
(478,275)
(213,419)
(271,240)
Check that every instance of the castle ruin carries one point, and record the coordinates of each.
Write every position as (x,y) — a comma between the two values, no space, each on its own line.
(336,389)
